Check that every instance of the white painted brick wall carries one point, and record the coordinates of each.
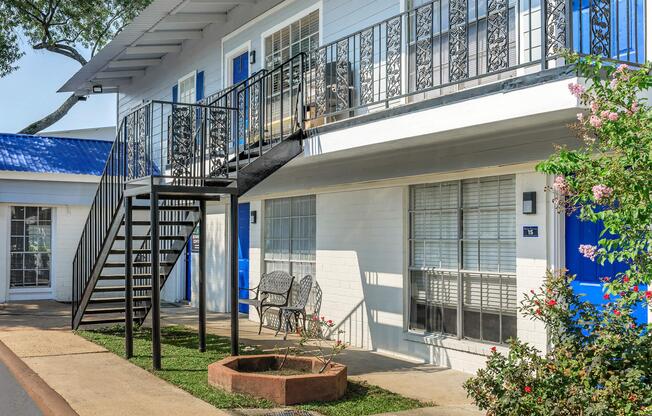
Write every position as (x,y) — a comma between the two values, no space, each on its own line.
(360,267)
(531,254)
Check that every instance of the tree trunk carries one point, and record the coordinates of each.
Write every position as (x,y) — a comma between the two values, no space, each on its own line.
(51,118)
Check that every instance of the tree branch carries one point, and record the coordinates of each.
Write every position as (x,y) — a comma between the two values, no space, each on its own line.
(51,118)
(64,50)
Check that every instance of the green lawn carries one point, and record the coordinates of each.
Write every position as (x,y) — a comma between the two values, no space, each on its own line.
(185,367)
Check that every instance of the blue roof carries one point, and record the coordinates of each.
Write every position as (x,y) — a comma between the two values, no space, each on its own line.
(27,153)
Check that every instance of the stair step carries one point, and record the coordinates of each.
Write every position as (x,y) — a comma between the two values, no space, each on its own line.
(122,276)
(104,321)
(118,299)
(179,223)
(104,289)
(99,311)
(167,208)
(112,265)
(147,237)
(145,251)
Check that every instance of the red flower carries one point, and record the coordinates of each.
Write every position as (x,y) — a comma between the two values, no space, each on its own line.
(493,349)
(551,302)
(606,296)
(616,312)
(648,294)
(626,279)
(538,311)
(527,389)
(635,289)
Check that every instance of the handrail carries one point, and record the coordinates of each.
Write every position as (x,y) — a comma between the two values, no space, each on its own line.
(188,145)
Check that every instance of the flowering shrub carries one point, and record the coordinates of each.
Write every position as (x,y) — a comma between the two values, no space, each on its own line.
(314,341)
(600,359)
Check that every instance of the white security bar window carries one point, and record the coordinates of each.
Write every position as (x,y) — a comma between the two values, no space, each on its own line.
(31,247)
(290,237)
(463,234)
(300,36)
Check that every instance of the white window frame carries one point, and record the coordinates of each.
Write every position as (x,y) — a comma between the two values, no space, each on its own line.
(287,22)
(192,74)
(264,259)
(31,293)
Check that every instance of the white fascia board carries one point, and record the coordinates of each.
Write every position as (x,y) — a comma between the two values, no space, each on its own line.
(54,177)
(546,98)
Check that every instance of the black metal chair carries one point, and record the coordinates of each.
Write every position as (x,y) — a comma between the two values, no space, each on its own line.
(273,291)
(298,308)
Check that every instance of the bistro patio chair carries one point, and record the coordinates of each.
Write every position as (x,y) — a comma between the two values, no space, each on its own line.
(297,309)
(273,291)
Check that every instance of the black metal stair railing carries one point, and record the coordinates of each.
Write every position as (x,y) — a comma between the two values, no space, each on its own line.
(202,144)
(443,46)
(104,209)
(181,144)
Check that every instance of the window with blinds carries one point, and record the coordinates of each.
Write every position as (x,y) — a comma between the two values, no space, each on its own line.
(463,235)
(300,36)
(290,237)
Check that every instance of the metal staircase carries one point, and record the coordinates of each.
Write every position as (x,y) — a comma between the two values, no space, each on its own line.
(167,161)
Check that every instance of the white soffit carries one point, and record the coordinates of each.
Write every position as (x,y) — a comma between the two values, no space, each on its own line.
(157,31)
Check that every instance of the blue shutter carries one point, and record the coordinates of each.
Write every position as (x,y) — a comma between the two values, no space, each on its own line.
(175,93)
(199,85)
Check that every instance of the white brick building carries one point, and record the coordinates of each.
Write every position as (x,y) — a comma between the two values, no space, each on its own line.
(407,202)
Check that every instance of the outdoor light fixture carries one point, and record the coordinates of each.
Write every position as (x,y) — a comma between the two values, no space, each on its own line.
(97,89)
(529,202)
(252,57)
(252,217)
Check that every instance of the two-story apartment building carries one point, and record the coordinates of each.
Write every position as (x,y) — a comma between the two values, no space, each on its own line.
(414,201)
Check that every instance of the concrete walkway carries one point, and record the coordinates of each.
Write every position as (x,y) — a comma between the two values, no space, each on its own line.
(415,380)
(91,379)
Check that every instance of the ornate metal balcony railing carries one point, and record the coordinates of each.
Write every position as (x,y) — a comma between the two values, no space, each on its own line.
(443,46)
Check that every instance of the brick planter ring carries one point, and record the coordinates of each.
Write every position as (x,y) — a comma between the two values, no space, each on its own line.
(246,374)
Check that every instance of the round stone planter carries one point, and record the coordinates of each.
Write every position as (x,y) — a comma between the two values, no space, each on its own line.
(247,374)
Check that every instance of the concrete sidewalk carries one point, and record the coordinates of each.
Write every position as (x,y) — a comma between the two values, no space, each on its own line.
(91,379)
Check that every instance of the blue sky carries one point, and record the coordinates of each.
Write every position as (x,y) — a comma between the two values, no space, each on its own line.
(29,94)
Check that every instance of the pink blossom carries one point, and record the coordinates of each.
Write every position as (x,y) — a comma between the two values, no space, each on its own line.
(612,116)
(594,106)
(588,251)
(601,192)
(576,89)
(595,121)
(614,83)
(561,186)
(621,68)
(634,107)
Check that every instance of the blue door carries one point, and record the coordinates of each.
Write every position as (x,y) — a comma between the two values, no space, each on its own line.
(243,254)
(589,272)
(240,68)
(241,73)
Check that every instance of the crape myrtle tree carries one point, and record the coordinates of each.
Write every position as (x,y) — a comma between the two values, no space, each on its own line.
(599,361)
(71,28)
